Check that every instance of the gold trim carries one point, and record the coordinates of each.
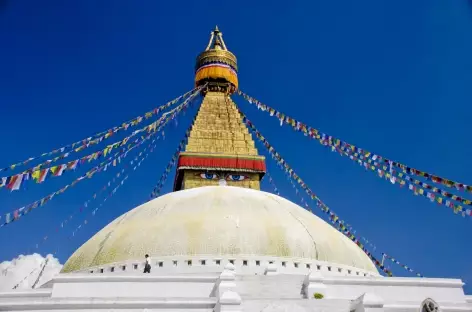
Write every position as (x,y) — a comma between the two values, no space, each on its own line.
(223,56)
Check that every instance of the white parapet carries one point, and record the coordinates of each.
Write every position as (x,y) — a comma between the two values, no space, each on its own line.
(133,286)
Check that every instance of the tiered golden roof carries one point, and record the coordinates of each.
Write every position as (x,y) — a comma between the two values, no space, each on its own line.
(218,133)
(218,129)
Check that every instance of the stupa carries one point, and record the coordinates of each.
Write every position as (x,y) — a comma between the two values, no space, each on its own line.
(219,243)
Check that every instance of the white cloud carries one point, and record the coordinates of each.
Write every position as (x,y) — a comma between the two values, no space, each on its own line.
(25,270)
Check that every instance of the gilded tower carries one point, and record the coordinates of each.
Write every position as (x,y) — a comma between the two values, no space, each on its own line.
(220,149)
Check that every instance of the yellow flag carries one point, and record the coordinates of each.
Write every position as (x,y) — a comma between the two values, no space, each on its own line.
(105,151)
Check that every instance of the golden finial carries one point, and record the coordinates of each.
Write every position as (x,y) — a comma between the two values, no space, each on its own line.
(216,40)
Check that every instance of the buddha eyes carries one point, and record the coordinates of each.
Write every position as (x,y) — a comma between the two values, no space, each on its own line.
(235,177)
(209,176)
(229,177)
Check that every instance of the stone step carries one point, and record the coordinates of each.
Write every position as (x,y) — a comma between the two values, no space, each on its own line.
(44,304)
(29,293)
(324,305)
(273,287)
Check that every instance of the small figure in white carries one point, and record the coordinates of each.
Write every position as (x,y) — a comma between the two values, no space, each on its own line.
(147,265)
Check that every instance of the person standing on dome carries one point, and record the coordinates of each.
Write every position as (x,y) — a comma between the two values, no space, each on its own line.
(147,265)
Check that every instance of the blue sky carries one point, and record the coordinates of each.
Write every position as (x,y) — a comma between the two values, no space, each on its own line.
(392,77)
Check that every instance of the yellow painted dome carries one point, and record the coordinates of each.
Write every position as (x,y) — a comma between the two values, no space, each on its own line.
(218,220)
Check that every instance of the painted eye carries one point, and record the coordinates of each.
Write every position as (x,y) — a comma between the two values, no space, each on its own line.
(208,176)
(236,177)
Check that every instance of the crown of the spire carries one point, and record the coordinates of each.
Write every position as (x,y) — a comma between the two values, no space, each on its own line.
(216,41)
(217,65)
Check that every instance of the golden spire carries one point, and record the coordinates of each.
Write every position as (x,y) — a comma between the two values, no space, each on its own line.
(220,149)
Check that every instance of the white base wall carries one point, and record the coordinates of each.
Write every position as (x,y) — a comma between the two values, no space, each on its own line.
(268,291)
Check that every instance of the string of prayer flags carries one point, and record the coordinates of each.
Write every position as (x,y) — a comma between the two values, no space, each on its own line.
(271,181)
(136,162)
(98,137)
(319,203)
(14,182)
(402,265)
(94,212)
(43,264)
(307,207)
(328,140)
(305,204)
(67,220)
(113,192)
(39,174)
(105,187)
(415,185)
(112,161)
(157,189)
(368,243)
(401,179)
(390,174)
(276,190)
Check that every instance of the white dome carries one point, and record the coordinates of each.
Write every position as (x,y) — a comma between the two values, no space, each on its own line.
(218,220)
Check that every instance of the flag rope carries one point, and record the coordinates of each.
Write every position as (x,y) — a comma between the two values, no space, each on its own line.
(98,137)
(40,174)
(16,214)
(320,204)
(326,139)
(40,273)
(113,192)
(402,265)
(157,189)
(86,204)
(43,265)
(414,185)
(308,208)
(162,180)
